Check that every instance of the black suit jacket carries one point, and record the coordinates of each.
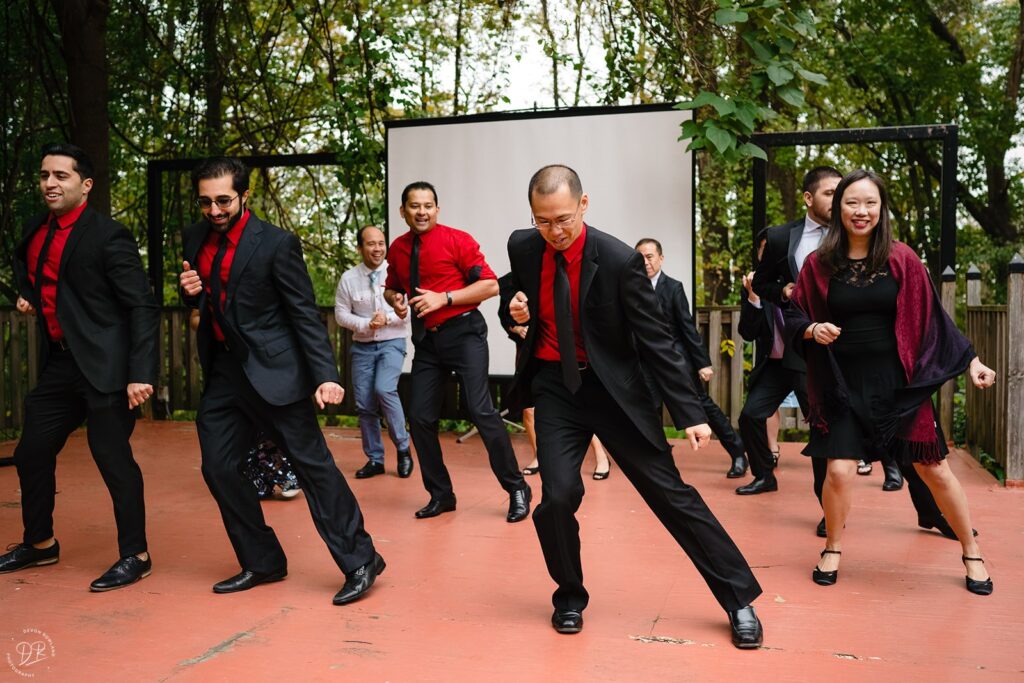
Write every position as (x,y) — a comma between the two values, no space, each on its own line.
(676,308)
(274,327)
(105,306)
(757,325)
(621,325)
(777,269)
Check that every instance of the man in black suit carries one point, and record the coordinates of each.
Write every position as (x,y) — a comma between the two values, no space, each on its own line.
(785,249)
(264,352)
(676,308)
(80,274)
(593,318)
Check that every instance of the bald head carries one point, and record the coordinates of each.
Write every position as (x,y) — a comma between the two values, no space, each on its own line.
(550,179)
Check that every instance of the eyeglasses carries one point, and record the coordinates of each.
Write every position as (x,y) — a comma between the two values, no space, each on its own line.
(561,225)
(221,202)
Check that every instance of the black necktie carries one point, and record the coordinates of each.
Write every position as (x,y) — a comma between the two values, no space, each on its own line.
(215,284)
(44,253)
(563,325)
(414,283)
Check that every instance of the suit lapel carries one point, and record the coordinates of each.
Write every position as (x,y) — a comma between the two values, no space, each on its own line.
(78,231)
(796,230)
(247,246)
(588,269)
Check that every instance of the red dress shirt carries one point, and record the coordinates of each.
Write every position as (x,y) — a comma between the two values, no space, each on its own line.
(208,252)
(51,269)
(447,256)
(547,332)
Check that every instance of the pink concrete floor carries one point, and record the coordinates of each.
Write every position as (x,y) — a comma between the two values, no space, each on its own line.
(466,597)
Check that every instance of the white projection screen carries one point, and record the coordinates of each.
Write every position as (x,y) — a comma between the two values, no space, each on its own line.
(635,170)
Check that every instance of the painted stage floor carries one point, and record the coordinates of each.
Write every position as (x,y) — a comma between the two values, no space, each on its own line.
(466,596)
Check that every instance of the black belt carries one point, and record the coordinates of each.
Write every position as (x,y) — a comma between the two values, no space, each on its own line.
(581,365)
(59,345)
(449,321)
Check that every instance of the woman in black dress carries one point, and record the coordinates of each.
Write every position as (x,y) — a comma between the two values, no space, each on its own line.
(877,345)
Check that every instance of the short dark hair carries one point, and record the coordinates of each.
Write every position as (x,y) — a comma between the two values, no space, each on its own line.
(650,240)
(80,160)
(761,236)
(359,234)
(814,177)
(418,185)
(551,177)
(218,167)
(834,249)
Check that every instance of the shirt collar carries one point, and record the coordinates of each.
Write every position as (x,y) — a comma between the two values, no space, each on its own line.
(235,233)
(575,250)
(810,226)
(366,270)
(68,219)
(654,280)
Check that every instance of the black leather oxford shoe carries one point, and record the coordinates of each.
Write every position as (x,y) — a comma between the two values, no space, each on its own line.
(519,505)
(245,579)
(404,464)
(24,555)
(764,485)
(747,632)
(942,526)
(436,507)
(738,469)
(370,469)
(358,581)
(125,571)
(567,621)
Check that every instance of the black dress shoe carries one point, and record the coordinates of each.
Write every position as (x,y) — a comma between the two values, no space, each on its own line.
(245,579)
(973,585)
(893,476)
(404,464)
(826,578)
(436,507)
(519,505)
(747,632)
(357,582)
(738,469)
(942,526)
(370,469)
(765,485)
(24,555)
(125,571)
(821,531)
(567,621)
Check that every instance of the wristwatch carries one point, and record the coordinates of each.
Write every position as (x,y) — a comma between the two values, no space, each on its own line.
(449,295)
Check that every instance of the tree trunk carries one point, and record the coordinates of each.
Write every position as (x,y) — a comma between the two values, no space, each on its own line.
(83,28)
(213,75)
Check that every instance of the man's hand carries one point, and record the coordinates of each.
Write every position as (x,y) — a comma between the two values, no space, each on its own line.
(825,333)
(748,284)
(787,291)
(400,305)
(519,309)
(519,330)
(329,392)
(427,301)
(699,435)
(706,374)
(379,319)
(138,393)
(25,307)
(189,280)
(981,375)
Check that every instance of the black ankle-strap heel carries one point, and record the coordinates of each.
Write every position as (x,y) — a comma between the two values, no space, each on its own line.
(826,578)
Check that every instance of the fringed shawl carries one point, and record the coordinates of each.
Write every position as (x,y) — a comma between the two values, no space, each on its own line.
(931,349)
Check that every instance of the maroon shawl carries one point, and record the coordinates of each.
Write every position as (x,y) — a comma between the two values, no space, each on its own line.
(930,347)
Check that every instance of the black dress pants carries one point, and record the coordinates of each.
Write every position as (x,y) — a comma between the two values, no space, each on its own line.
(461,346)
(58,404)
(565,425)
(718,422)
(230,412)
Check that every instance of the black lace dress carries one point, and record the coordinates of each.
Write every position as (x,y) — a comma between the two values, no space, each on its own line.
(863,304)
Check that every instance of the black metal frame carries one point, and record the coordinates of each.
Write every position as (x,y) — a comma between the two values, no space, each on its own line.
(155,197)
(947,133)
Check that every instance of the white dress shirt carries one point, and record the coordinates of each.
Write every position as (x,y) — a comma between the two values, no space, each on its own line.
(360,294)
(810,238)
(654,280)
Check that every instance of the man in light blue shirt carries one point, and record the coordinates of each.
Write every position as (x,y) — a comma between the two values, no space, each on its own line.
(378,351)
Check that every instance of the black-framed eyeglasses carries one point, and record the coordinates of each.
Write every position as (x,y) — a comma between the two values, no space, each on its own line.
(561,225)
(221,202)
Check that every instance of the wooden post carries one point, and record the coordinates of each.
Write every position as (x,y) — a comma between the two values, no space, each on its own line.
(948,292)
(736,375)
(973,286)
(1015,374)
